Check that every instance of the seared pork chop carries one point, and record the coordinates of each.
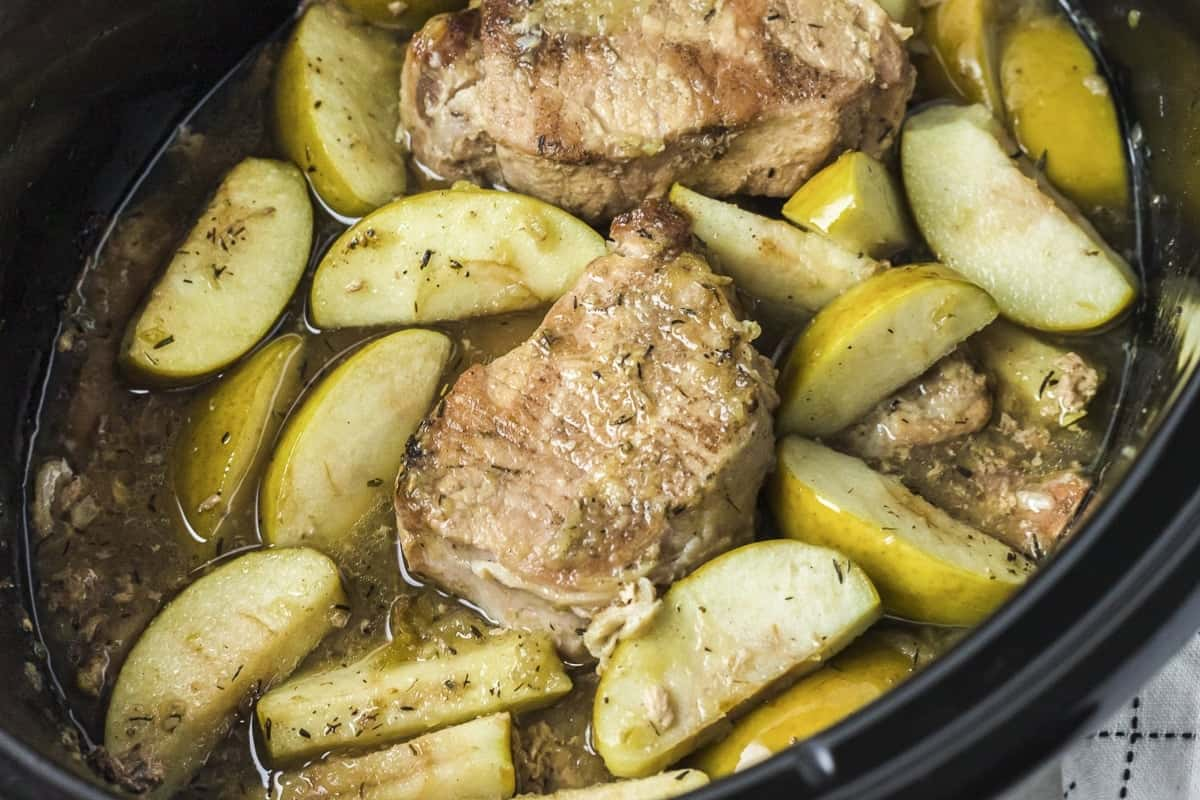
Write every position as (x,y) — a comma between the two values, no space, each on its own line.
(626,439)
(596,105)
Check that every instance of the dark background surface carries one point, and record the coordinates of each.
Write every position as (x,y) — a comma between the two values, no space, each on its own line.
(92,88)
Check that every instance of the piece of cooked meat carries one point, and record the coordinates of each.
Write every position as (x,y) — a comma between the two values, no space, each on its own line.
(948,401)
(1045,509)
(1019,484)
(1071,387)
(594,106)
(551,750)
(627,438)
(1030,503)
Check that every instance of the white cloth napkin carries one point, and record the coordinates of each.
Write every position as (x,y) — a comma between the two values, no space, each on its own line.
(1149,750)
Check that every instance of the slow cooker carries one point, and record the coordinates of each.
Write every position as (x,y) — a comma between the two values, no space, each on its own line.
(94,87)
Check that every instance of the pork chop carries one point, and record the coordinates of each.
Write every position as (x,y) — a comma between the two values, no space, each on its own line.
(627,439)
(595,105)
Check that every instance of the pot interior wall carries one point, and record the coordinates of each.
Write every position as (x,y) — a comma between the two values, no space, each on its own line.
(92,89)
(1154,52)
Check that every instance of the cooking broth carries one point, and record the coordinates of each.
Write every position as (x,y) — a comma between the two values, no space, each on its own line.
(125,549)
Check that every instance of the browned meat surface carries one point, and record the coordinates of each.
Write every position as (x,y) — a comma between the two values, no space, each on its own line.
(948,401)
(598,104)
(626,439)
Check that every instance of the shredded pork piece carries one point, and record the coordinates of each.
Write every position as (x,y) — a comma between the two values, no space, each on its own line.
(635,607)
(92,675)
(131,771)
(949,401)
(84,513)
(59,495)
(1045,508)
(1077,384)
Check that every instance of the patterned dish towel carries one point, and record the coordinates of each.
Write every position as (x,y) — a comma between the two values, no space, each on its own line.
(1147,751)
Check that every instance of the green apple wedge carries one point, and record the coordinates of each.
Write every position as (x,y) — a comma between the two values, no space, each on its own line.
(872,340)
(336,113)
(235,631)
(984,216)
(384,698)
(340,452)
(663,786)
(862,672)
(227,435)
(451,254)
(927,566)
(228,282)
(795,271)
(472,761)
(962,36)
(856,202)
(1033,377)
(1061,110)
(745,622)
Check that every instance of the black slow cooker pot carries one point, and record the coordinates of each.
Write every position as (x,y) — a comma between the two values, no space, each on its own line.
(91,88)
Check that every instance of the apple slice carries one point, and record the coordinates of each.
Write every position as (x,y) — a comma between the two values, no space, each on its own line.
(872,340)
(1061,108)
(1046,267)
(962,35)
(385,698)
(472,761)
(904,12)
(1035,381)
(929,567)
(336,112)
(744,622)
(232,633)
(795,271)
(228,282)
(340,452)
(856,202)
(451,254)
(862,672)
(227,435)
